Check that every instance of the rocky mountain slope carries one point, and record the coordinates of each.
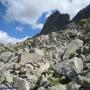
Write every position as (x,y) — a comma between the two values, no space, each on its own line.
(55,22)
(83,14)
(58,60)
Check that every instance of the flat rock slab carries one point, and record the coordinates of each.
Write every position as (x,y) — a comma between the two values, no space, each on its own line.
(30,57)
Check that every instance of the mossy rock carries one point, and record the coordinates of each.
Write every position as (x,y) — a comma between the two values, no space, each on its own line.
(58,79)
(55,81)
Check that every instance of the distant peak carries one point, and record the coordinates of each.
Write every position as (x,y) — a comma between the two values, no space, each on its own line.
(82,14)
(55,12)
(55,22)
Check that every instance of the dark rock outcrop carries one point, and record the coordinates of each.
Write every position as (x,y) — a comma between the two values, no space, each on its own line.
(55,22)
(82,14)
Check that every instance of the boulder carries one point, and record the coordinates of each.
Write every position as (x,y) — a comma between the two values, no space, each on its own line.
(84,81)
(69,68)
(32,79)
(5,87)
(44,82)
(21,84)
(78,63)
(8,78)
(86,50)
(2,76)
(5,56)
(41,88)
(30,58)
(44,67)
(72,47)
(87,59)
(73,86)
(58,87)
(66,69)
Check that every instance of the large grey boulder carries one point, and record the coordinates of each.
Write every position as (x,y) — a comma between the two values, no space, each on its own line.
(86,50)
(84,81)
(87,59)
(5,87)
(2,76)
(44,82)
(41,88)
(32,79)
(8,78)
(66,69)
(72,47)
(87,74)
(6,56)
(43,67)
(58,87)
(78,64)
(73,86)
(21,84)
(69,68)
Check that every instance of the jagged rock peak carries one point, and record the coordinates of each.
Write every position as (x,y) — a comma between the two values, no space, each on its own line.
(55,22)
(82,14)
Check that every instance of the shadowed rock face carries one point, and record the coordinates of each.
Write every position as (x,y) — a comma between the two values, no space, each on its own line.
(82,14)
(55,22)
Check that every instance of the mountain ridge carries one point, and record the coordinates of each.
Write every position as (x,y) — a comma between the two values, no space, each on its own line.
(57,21)
(82,14)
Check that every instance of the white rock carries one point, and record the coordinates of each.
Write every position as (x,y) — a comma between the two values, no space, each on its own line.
(21,84)
(44,67)
(72,47)
(40,52)
(78,65)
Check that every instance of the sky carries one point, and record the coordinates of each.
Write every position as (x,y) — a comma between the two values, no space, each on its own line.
(22,19)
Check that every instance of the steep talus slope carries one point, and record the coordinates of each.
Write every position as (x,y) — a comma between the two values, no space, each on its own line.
(58,60)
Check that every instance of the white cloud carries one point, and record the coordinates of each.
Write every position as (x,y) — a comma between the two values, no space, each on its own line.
(37,26)
(48,14)
(29,11)
(5,38)
(19,29)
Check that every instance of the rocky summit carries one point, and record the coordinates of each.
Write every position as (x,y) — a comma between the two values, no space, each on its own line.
(55,22)
(56,59)
(83,14)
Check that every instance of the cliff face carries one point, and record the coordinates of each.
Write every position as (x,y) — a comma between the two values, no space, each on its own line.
(83,14)
(55,22)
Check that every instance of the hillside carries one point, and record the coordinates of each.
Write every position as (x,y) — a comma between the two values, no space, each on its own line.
(56,59)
